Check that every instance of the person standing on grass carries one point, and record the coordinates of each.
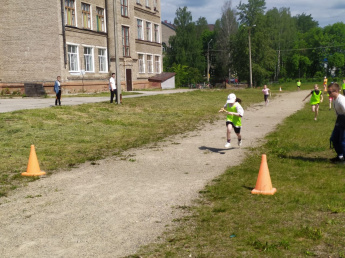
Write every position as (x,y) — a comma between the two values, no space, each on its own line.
(112,88)
(343,86)
(57,89)
(338,134)
(330,100)
(234,113)
(325,80)
(316,98)
(299,85)
(266,92)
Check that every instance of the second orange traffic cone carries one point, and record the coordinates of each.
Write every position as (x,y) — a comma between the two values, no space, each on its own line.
(33,166)
(263,183)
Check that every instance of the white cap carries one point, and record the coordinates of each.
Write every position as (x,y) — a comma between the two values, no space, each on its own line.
(231,98)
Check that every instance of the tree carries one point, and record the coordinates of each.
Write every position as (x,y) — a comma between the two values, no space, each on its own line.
(305,22)
(224,29)
(249,13)
(186,48)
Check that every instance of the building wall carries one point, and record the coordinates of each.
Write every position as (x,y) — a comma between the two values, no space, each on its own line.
(167,32)
(30,45)
(32,48)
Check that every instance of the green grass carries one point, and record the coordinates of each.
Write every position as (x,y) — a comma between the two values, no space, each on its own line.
(304,218)
(69,135)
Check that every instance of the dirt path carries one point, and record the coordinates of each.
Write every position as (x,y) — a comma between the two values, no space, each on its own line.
(112,208)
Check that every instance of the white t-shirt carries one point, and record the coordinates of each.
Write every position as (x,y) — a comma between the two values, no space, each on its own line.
(339,105)
(266,91)
(112,84)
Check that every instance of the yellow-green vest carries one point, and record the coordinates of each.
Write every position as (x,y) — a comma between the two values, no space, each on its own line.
(315,98)
(236,120)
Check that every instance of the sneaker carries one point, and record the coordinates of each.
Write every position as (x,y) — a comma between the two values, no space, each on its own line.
(337,160)
(227,145)
(239,143)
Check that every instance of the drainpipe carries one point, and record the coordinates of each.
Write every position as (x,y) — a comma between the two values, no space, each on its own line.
(63,32)
(107,23)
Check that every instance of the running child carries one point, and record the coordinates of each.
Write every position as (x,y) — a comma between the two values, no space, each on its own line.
(266,92)
(316,98)
(234,113)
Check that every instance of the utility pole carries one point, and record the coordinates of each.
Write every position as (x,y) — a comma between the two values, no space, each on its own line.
(117,70)
(250,57)
(208,61)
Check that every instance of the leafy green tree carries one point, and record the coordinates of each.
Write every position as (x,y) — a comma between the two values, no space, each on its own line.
(186,48)
(225,27)
(305,22)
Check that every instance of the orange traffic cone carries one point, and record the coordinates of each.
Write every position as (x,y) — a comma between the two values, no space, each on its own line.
(33,166)
(264,184)
(280,89)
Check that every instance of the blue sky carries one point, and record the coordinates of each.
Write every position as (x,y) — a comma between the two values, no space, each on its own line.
(325,12)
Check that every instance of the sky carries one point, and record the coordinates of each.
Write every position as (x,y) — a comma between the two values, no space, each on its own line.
(324,12)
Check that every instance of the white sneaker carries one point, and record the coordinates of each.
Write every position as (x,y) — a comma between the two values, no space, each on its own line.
(239,143)
(228,145)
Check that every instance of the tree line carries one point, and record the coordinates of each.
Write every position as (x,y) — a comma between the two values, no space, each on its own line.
(283,47)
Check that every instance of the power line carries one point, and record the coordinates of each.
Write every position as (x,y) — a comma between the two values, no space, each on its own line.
(300,49)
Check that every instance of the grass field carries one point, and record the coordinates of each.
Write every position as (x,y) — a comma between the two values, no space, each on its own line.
(304,218)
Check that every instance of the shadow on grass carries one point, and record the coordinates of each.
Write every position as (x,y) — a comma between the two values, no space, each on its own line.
(315,159)
(248,187)
(216,150)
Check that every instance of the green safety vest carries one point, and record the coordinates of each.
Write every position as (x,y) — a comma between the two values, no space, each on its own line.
(343,86)
(298,83)
(315,98)
(236,120)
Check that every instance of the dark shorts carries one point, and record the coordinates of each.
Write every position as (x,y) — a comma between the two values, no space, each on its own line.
(265,97)
(236,129)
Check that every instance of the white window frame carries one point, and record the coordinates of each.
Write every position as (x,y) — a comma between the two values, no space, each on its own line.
(157,63)
(104,58)
(76,54)
(148,33)
(138,1)
(156,36)
(123,13)
(141,64)
(75,15)
(140,31)
(91,59)
(104,18)
(89,18)
(149,63)
(147,3)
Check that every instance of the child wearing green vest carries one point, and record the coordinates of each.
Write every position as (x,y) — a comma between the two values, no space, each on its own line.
(234,113)
(316,98)
(299,84)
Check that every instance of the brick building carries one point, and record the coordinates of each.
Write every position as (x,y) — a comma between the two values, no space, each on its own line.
(75,39)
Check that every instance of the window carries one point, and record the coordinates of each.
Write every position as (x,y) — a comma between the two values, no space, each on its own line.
(100,19)
(155,4)
(70,12)
(85,10)
(149,64)
(140,28)
(88,59)
(73,58)
(156,33)
(125,41)
(157,64)
(147,3)
(124,8)
(148,31)
(102,58)
(141,63)
(138,1)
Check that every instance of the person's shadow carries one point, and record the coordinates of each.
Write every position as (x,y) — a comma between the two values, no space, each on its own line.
(215,150)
